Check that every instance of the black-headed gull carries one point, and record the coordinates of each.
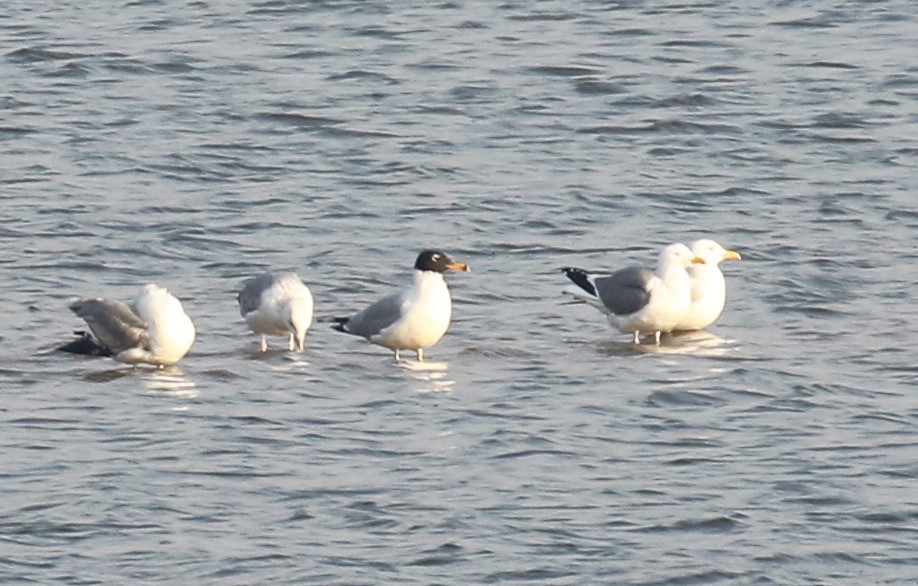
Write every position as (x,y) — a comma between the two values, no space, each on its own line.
(414,319)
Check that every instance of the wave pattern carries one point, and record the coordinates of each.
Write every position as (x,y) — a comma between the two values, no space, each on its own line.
(194,145)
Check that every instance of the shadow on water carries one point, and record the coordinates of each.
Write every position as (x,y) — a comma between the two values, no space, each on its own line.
(269,354)
(111,374)
(277,360)
(169,380)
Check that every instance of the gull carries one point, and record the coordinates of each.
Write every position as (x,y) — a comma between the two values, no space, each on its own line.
(709,288)
(277,304)
(413,319)
(637,300)
(153,329)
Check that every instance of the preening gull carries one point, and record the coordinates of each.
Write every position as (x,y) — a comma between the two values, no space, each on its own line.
(277,304)
(153,329)
(414,319)
(709,288)
(635,299)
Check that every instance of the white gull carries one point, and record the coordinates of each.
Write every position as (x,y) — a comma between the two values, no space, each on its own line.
(709,288)
(153,329)
(277,304)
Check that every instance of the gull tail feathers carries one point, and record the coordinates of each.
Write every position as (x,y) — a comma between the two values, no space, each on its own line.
(583,279)
(582,288)
(340,324)
(580,295)
(85,344)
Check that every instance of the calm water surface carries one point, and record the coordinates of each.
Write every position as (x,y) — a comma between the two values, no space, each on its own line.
(194,144)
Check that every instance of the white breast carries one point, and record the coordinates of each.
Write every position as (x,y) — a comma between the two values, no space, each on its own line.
(709,293)
(426,313)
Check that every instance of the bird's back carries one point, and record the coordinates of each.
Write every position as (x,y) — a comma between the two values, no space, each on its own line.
(626,291)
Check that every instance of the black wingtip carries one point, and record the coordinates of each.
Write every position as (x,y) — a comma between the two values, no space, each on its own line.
(340,323)
(581,278)
(84,344)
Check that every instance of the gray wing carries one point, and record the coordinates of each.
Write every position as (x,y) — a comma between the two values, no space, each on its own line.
(249,297)
(376,317)
(624,291)
(116,326)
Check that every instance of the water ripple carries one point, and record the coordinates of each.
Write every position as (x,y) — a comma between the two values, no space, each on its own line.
(195,145)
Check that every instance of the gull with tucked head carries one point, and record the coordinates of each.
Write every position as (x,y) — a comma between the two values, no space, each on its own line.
(277,304)
(153,329)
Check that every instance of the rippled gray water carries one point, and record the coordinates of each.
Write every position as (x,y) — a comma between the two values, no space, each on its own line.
(193,144)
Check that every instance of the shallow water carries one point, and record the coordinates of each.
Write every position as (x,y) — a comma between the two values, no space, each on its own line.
(195,145)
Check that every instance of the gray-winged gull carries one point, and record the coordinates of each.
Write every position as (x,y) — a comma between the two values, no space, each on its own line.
(637,300)
(414,319)
(153,329)
(277,304)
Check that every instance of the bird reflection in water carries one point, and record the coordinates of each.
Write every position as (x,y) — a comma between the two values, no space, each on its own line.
(433,376)
(170,382)
(700,343)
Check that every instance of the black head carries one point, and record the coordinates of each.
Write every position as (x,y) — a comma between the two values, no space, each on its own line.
(438,262)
